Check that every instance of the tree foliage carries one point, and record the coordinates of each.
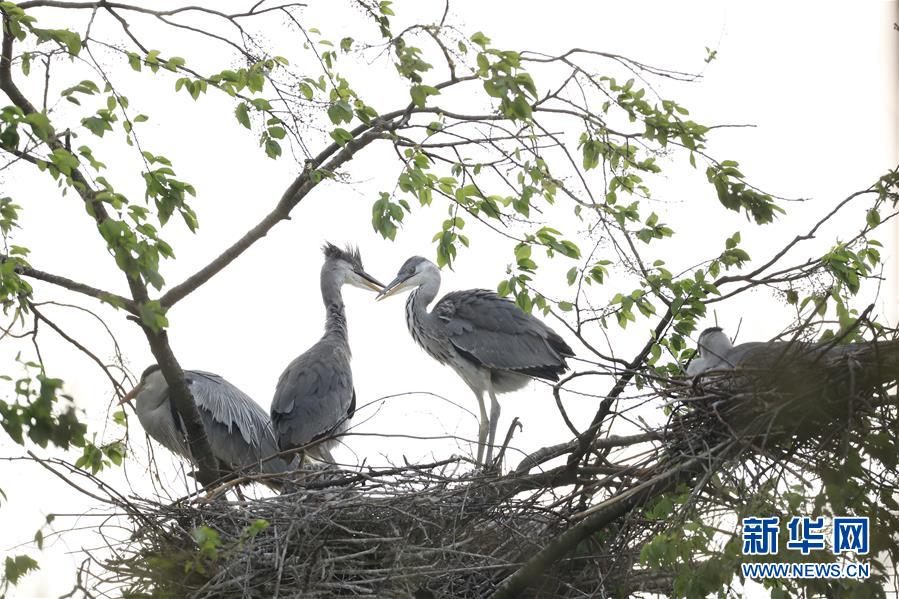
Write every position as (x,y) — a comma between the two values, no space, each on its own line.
(566,156)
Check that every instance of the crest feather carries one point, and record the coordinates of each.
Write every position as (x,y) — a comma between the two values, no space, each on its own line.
(349,254)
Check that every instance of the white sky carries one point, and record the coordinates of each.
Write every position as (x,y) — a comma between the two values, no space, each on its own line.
(816,79)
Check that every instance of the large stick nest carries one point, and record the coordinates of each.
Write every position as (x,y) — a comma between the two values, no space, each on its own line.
(440,530)
(422,533)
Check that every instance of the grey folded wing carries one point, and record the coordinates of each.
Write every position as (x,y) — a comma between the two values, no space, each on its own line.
(496,333)
(239,431)
(314,397)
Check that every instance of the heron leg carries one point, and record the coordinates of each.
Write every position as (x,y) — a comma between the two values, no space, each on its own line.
(494,421)
(324,455)
(482,429)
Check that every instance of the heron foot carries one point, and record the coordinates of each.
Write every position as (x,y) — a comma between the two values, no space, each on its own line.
(492,466)
(213,494)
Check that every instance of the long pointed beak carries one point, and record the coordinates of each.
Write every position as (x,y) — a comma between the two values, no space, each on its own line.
(370,281)
(392,287)
(130,395)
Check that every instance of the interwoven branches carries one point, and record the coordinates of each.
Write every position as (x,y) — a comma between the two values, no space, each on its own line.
(440,530)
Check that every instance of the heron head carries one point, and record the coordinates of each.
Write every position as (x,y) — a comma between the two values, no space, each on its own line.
(713,342)
(141,384)
(414,271)
(347,264)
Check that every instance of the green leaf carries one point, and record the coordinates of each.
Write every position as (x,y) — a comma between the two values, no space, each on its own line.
(420,94)
(243,115)
(208,541)
(521,108)
(524,302)
(522,251)
(340,112)
(873,218)
(152,314)
(272,148)
(40,124)
(341,136)
(96,125)
(64,160)
(135,61)
(174,63)
(480,39)
(65,37)
(17,567)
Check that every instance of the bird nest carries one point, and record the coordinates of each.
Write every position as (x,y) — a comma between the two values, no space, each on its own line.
(406,532)
(791,396)
(444,530)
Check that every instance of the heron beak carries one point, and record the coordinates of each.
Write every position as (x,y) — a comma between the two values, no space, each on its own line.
(130,395)
(369,281)
(395,285)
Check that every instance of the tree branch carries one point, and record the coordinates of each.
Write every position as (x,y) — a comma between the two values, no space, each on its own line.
(207,465)
(104,296)
(293,195)
(598,517)
(606,404)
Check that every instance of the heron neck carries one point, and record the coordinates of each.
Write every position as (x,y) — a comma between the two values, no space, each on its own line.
(335,316)
(715,345)
(423,295)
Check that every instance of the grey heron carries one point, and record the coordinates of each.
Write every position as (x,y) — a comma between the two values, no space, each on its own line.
(315,399)
(804,385)
(491,343)
(239,431)
(718,353)
(713,351)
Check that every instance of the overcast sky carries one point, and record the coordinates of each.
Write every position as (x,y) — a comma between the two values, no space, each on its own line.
(817,81)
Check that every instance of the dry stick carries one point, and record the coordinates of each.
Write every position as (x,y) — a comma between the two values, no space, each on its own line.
(158,340)
(141,9)
(83,349)
(544,454)
(502,451)
(69,482)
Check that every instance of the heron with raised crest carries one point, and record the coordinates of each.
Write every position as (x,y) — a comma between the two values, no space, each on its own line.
(315,398)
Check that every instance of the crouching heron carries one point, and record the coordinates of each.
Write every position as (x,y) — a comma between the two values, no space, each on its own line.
(315,399)
(802,387)
(239,431)
(489,341)
(718,354)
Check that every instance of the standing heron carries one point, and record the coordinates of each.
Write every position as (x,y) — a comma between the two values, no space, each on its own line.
(239,431)
(489,341)
(315,398)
